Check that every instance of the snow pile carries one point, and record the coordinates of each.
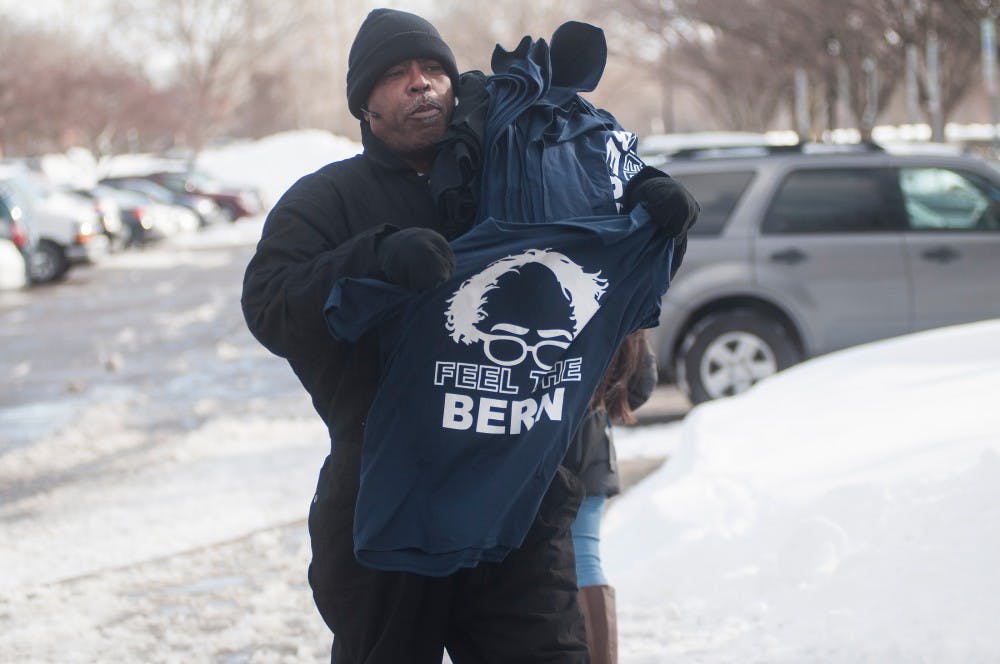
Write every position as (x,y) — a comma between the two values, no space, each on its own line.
(273,164)
(846,510)
(657,441)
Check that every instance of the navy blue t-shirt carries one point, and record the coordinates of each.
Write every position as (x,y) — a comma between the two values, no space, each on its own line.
(485,379)
(549,154)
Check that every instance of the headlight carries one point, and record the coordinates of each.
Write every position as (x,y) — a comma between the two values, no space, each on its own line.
(84,232)
(145,218)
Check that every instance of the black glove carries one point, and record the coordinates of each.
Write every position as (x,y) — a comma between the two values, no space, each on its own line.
(415,258)
(672,208)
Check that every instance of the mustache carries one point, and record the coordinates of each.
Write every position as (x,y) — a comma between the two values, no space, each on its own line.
(422,101)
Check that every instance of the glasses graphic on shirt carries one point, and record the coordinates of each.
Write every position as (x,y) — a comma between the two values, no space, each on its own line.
(506,346)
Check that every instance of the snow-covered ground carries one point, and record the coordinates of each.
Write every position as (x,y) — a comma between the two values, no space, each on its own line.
(156,467)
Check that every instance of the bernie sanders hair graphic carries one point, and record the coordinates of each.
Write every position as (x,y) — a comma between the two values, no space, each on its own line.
(466,308)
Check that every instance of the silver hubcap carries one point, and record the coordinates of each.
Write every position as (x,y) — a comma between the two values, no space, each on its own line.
(734,362)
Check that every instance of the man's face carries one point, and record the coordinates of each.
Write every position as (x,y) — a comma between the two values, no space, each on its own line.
(413,101)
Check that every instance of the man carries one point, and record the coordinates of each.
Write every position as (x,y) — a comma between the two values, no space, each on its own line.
(373,215)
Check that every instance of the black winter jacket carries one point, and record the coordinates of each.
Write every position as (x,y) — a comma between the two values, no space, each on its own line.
(327,226)
(591,455)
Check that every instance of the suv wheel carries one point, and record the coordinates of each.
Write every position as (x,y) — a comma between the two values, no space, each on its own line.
(47,263)
(727,352)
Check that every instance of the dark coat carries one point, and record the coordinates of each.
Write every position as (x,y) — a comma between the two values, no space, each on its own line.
(592,454)
(325,227)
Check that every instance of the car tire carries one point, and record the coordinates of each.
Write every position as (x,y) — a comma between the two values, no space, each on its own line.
(48,262)
(726,352)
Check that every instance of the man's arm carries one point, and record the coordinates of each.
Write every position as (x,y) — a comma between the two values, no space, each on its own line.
(305,247)
(308,244)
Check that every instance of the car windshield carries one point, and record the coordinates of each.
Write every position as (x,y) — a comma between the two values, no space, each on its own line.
(203,182)
(150,189)
(126,197)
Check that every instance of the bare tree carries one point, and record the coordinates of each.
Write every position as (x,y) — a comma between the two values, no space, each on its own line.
(735,83)
(740,55)
(474,29)
(199,69)
(955,25)
(212,49)
(58,91)
(318,66)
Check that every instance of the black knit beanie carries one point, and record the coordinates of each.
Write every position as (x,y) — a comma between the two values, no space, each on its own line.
(388,37)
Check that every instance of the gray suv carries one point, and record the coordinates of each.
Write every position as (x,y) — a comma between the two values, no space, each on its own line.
(800,252)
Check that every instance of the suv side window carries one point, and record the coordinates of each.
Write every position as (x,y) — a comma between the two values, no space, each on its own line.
(835,200)
(942,199)
(717,193)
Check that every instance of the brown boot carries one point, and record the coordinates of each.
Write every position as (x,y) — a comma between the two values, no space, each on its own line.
(598,606)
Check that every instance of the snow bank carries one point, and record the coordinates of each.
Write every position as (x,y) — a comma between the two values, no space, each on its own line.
(845,510)
(274,163)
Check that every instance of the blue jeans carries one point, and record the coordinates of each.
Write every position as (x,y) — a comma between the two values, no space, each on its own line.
(587,542)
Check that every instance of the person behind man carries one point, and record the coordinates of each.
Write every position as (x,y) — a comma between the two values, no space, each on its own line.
(373,215)
(628,383)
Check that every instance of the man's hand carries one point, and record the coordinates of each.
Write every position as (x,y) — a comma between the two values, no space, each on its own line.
(416,258)
(672,208)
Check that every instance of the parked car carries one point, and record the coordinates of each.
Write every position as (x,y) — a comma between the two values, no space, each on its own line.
(13,225)
(204,209)
(69,230)
(803,250)
(235,202)
(147,220)
(109,212)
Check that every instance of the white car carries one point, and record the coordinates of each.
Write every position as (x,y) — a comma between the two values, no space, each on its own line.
(108,211)
(69,230)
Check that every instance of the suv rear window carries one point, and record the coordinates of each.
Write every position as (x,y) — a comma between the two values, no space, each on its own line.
(843,200)
(717,193)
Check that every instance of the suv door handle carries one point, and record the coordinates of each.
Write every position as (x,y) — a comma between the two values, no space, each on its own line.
(789,256)
(942,254)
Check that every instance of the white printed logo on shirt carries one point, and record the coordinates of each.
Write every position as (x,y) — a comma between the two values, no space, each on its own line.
(524,346)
